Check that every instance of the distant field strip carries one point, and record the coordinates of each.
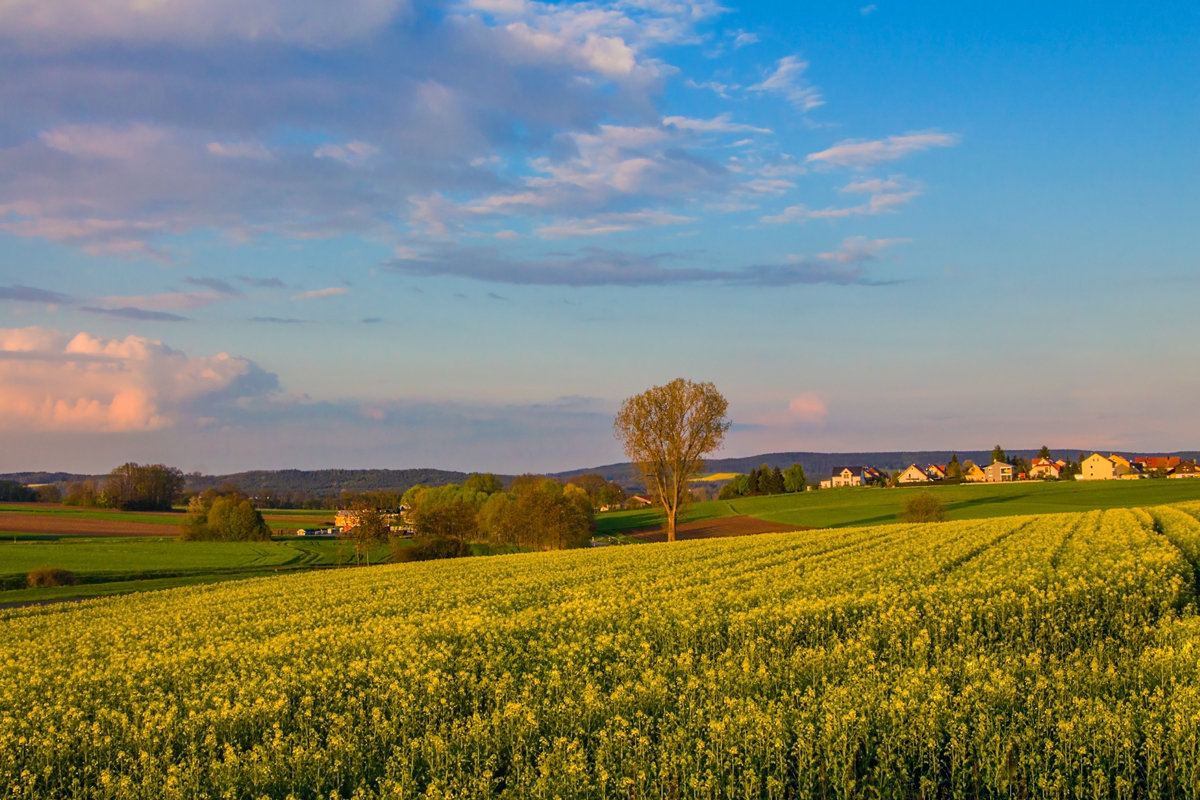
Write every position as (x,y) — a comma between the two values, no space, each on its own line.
(1022,656)
(101,560)
(718,476)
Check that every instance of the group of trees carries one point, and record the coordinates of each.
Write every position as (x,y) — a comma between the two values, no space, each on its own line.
(601,492)
(14,492)
(765,480)
(535,512)
(231,517)
(130,487)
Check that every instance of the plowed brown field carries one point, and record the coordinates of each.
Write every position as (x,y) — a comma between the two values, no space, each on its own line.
(16,522)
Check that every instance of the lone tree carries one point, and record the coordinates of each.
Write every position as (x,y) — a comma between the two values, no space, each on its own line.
(666,430)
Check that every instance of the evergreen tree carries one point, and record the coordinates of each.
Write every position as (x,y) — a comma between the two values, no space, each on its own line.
(1045,453)
(954,470)
(998,455)
(752,482)
(774,480)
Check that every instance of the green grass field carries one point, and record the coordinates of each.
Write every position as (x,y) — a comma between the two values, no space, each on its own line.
(283,519)
(107,514)
(138,564)
(840,508)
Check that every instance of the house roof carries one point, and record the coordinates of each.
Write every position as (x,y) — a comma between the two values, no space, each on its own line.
(1156,462)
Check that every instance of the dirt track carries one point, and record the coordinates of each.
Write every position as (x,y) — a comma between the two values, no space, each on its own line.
(718,528)
(16,522)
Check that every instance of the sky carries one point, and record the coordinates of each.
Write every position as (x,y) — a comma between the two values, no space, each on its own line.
(242,234)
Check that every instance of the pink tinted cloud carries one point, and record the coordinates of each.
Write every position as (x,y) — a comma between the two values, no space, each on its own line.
(56,381)
(808,407)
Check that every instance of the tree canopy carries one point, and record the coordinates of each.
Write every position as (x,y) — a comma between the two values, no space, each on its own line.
(666,431)
(133,487)
(223,518)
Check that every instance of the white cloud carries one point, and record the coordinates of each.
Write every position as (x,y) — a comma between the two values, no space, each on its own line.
(875,186)
(332,291)
(856,249)
(743,38)
(788,80)
(886,198)
(609,223)
(352,153)
(102,141)
(716,87)
(313,23)
(722,123)
(860,154)
(56,381)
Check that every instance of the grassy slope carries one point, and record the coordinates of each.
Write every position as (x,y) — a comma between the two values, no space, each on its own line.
(839,508)
(278,519)
(111,564)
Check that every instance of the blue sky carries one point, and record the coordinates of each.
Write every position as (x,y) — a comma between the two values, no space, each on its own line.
(392,233)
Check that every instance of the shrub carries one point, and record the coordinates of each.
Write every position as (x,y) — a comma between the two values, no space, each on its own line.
(924,507)
(431,548)
(50,576)
(231,518)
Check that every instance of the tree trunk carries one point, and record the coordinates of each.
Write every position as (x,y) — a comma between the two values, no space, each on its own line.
(671,513)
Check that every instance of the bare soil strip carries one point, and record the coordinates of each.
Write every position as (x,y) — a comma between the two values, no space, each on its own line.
(17,522)
(718,528)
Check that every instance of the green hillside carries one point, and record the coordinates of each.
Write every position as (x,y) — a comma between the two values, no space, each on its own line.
(834,508)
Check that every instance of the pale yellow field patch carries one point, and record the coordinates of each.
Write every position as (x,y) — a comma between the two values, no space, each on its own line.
(717,476)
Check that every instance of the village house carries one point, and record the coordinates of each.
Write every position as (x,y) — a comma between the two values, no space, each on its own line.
(1108,468)
(972,473)
(1097,468)
(913,474)
(1151,463)
(1185,469)
(997,472)
(936,472)
(1043,468)
(850,476)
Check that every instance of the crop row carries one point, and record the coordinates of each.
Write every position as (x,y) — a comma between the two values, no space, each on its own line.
(1049,656)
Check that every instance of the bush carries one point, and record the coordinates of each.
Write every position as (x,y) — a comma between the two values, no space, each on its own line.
(431,548)
(924,507)
(225,519)
(50,576)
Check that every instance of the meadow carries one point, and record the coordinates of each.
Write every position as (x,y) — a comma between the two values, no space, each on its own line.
(858,506)
(1023,656)
(282,520)
(110,565)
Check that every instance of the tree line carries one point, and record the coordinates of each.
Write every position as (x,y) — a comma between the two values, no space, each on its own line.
(130,487)
(765,480)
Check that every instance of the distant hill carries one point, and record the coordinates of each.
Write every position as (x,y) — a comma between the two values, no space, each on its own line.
(35,478)
(318,481)
(817,466)
(328,481)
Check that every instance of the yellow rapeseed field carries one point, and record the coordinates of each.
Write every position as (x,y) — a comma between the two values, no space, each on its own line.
(1050,656)
(718,476)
